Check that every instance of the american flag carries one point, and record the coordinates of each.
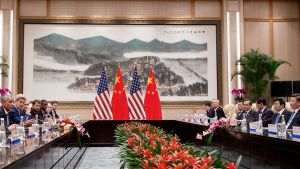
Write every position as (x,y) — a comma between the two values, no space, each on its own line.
(102,106)
(135,102)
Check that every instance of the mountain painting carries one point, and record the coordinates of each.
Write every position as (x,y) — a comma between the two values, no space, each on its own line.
(66,61)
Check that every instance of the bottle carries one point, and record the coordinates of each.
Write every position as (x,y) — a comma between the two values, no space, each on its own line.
(22,121)
(244,123)
(36,119)
(260,125)
(3,140)
(283,126)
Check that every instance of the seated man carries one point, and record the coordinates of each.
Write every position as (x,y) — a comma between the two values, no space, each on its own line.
(18,110)
(250,114)
(209,111)
(266,113)
(7,104)
(240,106)
(279,106)
(36,110)
(294,120)
(217,110)
(53,112)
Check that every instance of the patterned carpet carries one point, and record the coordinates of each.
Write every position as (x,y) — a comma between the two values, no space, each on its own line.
(100,158)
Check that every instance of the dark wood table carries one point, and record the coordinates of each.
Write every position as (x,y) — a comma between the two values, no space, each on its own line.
(258,151)
(51,151)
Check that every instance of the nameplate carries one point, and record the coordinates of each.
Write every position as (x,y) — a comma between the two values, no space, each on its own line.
(296,130)
(253,126)
(272,129)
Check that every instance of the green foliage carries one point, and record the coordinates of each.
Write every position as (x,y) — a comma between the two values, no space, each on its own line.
(258,70)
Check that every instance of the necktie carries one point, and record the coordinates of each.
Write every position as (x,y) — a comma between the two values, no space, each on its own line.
(291,119)
(277,118)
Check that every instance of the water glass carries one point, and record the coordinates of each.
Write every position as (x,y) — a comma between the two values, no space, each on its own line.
(36,141)
(46,126)
(20,148)
(21,132)
(36,129)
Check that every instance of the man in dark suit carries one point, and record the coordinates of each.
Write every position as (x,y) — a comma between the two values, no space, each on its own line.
(53,112)
(209,111)
(217,110)
(36,110)
(240,106)
(266,113)
(279,106)
(18,110)
(249,113)
(7,104)
(294,120)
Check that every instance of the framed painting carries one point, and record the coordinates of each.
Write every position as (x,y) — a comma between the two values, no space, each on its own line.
(62,59)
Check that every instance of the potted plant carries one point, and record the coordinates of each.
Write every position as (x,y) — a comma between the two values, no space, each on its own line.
(258,70)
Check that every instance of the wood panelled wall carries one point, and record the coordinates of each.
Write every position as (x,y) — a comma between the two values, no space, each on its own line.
(270,25)
(273,27)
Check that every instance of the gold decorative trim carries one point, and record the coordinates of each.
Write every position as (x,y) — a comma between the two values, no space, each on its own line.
(121,18)
(273,20)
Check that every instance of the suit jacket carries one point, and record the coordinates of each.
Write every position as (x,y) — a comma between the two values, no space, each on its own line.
(286,114)
(296,120)
(239,116)
(219,111)
(251,116)
(40,114)
(53,114)
(15,115)
(211,113)
(266,116)
(3,115)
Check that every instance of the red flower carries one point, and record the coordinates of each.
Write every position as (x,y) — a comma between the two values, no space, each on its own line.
(231,166)
(147,153)
(174,146)
(131,141)
(161,165)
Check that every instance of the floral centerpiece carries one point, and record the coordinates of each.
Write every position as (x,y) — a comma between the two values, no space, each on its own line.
(145,146)
(76,128)
(4,91)
(238,94)
(221,123)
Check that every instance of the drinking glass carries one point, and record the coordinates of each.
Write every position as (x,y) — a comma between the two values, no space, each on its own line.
(21,132)
(36,141)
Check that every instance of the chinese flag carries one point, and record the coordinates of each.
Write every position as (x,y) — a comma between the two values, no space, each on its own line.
(152,102)
(119,100)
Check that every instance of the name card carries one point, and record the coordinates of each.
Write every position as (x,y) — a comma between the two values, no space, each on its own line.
(296,132)
(252,126)
(272,129)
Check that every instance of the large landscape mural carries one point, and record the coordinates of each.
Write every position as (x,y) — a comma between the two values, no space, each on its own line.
(64,62)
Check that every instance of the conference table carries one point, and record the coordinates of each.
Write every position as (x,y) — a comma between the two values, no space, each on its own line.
(258,151)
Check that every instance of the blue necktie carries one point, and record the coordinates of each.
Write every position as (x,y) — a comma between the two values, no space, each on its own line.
(277,118)
(291,119)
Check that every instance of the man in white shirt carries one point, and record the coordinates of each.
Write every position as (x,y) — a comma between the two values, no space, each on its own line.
(279,106)
(294,120)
